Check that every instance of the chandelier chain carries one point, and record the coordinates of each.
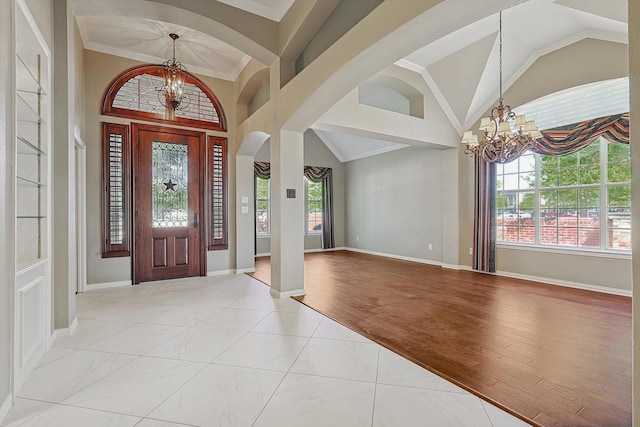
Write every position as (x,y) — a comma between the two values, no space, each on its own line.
(500,61)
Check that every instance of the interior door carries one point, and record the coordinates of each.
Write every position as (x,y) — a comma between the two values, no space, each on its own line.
(168,203)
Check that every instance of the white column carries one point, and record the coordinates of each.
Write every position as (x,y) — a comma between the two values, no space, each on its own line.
(64,270)
(287,214)
(245,215)
(634,95)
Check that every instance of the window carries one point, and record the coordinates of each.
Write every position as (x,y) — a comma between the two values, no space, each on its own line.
(263,205)
(217,162)
(314,195)
(581,200)
(116,184)
(134,94)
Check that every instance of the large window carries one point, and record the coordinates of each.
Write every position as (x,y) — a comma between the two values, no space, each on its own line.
(581,200)
(263,207)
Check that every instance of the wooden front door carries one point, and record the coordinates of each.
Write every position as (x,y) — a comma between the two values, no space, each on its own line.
(168,203)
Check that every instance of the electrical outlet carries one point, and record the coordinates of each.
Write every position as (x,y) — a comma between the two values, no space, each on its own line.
(470,251)
(357,238)
(430,247)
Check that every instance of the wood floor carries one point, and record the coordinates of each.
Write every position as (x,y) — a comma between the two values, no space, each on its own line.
(550,355)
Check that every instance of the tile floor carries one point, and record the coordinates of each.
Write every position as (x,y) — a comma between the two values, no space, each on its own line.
(220,351)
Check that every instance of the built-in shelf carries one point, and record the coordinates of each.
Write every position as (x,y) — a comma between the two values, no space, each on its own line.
(32,142)
(29,181)
(29,144)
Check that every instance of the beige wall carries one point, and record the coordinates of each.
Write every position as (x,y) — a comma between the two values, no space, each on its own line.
(103,69)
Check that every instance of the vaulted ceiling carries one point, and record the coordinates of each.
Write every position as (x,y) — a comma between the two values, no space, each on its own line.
(460,69)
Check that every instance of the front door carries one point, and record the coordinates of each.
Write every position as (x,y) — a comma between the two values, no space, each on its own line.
(168,203)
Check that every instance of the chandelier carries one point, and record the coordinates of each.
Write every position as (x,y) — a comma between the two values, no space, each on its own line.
(500,141)
(174,73)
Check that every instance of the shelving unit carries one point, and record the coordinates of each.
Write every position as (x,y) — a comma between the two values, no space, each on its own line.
(31,160)
(32,195)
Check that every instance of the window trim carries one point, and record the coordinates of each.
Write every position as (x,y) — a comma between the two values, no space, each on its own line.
(223,242)
(110,250)
(109,110)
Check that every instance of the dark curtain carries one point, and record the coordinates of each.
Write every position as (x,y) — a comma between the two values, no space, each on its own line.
(313,173)
(484,218)
(316,173)
(262,169)
(554,142)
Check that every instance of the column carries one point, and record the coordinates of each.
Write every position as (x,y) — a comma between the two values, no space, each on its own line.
(287,214)
(634,95)
(245,215)
(63,257)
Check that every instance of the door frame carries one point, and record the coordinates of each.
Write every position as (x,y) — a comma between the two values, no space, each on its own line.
(136,128)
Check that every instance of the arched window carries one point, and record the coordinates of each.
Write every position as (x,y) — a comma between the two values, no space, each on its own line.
(134,94)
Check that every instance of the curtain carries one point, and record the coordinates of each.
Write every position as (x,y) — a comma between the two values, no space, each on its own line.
(262,169)
(554,142)
(567,139)
(484,233)
(313,173)
(316,173)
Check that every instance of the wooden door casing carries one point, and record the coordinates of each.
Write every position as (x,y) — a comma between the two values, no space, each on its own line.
(168,252)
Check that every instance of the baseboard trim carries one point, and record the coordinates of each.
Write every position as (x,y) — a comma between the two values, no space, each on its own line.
(400,257)
(456,267)
(566,283)
(246,270)
(221,272)
(6,407)
(287,294)
(66,331)
(308,251)
(106,285)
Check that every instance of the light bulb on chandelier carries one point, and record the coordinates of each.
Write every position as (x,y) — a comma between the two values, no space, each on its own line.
(499,141)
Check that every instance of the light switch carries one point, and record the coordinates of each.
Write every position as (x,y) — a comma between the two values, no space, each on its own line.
(245,209)
(245,200)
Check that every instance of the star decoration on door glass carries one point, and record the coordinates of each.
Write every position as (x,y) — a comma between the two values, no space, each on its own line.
(170,185)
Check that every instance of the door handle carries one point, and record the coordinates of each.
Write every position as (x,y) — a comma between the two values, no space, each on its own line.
(195,220)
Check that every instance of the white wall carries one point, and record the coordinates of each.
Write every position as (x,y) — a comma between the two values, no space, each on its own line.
(394,203)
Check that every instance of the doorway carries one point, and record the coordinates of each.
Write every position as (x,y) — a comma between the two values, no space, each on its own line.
(168,203)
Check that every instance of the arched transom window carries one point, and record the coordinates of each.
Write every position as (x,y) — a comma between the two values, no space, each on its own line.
(134,94)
